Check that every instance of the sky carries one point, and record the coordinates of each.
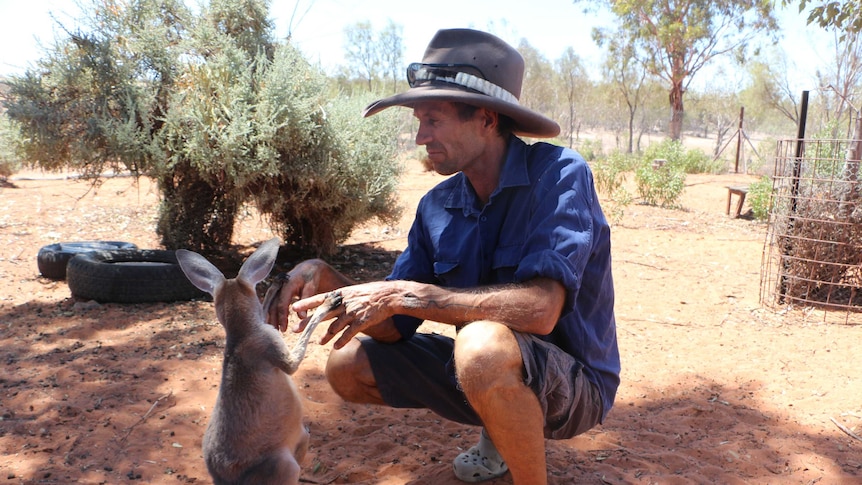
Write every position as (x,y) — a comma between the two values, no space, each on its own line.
(317,26)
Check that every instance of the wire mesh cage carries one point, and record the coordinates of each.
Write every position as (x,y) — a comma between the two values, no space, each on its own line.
(813,251)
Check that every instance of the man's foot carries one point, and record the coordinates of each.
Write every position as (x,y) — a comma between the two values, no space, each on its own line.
(479,463)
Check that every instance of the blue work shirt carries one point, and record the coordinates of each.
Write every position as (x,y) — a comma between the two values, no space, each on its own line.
(543,220)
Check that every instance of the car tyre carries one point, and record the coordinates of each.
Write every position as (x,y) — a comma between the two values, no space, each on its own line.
(53,258)
(129,276)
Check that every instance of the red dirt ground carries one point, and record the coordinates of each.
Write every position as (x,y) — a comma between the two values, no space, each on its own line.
(716,387)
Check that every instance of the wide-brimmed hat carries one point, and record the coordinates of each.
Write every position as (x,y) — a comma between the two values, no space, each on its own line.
(472,67)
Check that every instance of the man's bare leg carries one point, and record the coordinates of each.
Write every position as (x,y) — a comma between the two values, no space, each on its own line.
(490,370)
(348,371)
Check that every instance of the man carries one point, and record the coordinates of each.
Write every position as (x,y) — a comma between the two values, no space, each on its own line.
(513,250)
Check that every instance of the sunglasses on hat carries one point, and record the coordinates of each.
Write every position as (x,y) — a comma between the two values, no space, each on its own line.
(463,75)
(418,73)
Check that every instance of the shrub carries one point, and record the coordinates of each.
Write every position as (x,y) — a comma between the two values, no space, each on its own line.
(590,149)
(9,161)
(262,132)
(759,197)
(610,172)
(686,160)
(660,186)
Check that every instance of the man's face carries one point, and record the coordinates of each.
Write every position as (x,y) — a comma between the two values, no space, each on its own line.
(452,145)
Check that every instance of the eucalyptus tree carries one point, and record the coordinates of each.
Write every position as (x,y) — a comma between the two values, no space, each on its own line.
(539,91)
(361,52)
(374,56)
(844,16)
(717,113)
(391,48)
(675,39)
(628,77)
(575,84)
(770,89)
(841,81)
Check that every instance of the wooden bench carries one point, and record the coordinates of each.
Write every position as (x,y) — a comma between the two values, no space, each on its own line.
(740,191)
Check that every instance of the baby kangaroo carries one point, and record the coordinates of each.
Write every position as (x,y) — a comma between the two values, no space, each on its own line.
(255,434)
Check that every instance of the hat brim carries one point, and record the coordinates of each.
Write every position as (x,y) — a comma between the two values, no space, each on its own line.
(527,122)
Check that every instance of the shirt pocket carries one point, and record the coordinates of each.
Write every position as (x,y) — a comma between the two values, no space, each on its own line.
(505,262)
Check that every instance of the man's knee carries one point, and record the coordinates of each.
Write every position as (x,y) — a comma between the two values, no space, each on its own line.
(487,356)
(348,371)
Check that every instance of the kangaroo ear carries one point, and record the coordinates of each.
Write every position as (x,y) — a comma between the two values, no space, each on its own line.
(260,263)
(199,271)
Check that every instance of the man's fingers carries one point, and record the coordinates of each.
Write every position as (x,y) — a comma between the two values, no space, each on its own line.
(345,337)
(302,306)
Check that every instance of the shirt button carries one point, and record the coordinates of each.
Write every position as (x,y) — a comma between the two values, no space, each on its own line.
(483,218)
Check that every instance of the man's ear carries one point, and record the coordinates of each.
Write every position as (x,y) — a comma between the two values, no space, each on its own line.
(489,118)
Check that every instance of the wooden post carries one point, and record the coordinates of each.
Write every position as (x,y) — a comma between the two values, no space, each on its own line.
(739,139)
(800,150)
(794,192)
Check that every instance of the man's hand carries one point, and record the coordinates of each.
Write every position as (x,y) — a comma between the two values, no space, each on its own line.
(306,279)
(365,308)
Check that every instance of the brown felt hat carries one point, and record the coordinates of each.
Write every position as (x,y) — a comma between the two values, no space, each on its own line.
(475,68)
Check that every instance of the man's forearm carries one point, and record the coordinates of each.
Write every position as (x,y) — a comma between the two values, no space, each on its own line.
(533,306)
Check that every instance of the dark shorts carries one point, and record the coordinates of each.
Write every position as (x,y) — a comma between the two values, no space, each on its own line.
(420,373)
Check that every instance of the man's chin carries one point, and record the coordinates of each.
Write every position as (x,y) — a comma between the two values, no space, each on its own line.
(427,164)
(442,169)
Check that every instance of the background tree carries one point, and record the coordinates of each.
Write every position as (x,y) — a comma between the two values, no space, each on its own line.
(841,82)
(373,56)
(629,78)
(845,17)
(362,52)
(391,42)
(675,39)
(715,115)
(575,84)
(9,141)
(770,88)
(539,91)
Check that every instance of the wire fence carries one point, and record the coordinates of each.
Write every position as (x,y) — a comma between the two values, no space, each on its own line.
(813,250)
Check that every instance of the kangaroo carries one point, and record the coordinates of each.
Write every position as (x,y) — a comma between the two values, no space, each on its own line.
(255,433)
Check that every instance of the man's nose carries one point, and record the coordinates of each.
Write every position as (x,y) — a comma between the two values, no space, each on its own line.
(422,135)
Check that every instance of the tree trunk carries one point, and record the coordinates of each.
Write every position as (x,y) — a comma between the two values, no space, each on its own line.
(631,128)
(193,213)
(677,111)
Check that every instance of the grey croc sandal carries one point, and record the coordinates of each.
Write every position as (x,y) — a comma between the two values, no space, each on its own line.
(479,463)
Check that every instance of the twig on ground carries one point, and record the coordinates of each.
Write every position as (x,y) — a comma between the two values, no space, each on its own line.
(145,416)
(643,264)
(846,429)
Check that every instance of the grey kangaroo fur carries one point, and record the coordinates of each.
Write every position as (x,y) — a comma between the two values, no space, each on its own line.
(255,433)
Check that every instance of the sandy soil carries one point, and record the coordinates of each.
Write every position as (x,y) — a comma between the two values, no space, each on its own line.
(716,387)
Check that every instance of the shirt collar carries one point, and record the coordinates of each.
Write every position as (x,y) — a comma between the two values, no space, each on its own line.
(514,174)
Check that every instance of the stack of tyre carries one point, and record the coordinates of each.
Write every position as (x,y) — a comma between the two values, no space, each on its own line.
(115,271)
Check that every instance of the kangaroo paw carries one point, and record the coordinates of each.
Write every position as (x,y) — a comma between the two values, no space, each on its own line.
(333,300)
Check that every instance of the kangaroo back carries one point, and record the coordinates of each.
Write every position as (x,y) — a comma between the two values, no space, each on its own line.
(255,433)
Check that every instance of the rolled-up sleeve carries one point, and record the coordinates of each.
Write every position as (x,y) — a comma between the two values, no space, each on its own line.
(559,238)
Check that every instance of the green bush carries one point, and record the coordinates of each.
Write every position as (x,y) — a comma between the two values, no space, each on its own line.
(760,197)
(660,186)
(686,160)
(261,132)
(9,160)
(610,172)
(590,149)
